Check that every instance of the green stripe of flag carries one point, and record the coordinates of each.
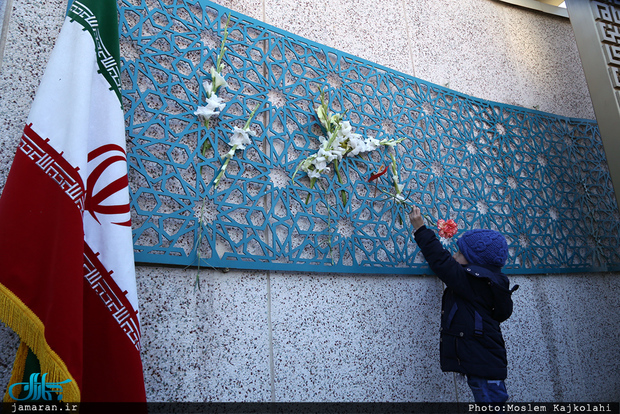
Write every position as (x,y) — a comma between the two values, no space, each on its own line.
(100,18)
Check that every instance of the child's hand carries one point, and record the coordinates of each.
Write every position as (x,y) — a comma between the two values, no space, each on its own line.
(416,218)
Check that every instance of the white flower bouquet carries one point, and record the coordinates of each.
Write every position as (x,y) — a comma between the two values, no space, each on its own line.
(339,141)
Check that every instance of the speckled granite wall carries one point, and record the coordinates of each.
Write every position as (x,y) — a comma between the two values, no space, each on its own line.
(270,336)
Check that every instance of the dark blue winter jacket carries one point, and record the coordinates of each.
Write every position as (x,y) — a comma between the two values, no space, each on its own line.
(474,302)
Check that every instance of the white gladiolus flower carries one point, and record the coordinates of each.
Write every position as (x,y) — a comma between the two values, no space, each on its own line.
(218,79)
(320,111)
(330,151)
(306,164)
(357,145)
(338,152)
(335,119)
(216,102)
(241,137)
(208,86)
(372,144)
(327,154)
(214,105)
(320,164)
(337,147)
(345,128)
(314,174)
(205,112)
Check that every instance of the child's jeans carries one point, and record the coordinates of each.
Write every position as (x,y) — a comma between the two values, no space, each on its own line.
(485,390)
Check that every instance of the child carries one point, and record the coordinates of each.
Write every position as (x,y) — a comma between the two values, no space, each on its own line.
(475,301)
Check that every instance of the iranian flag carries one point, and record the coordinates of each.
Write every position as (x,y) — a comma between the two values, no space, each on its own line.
(67,276)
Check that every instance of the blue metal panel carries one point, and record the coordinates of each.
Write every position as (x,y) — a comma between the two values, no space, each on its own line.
(540,179)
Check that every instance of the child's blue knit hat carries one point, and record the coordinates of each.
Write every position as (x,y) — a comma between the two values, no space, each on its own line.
(484,247)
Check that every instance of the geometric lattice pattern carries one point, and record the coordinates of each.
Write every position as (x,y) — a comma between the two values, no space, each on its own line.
(607,22)
(540,179)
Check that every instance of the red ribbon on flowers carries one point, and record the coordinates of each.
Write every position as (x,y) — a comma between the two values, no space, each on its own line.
(378,174)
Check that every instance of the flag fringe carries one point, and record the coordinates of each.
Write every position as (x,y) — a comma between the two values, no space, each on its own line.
(25,323)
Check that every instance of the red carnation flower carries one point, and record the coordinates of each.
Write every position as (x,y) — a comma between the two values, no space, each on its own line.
(447,229)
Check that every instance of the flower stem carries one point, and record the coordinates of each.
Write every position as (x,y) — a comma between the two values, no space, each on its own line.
(198,244)
(329,228)
(312,182)
(222,46)
(228,157)
(247,123)
(206,146)
(395,178)
(343,194)
(430,220)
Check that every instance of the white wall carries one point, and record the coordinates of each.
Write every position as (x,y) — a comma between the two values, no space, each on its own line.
(263,336)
